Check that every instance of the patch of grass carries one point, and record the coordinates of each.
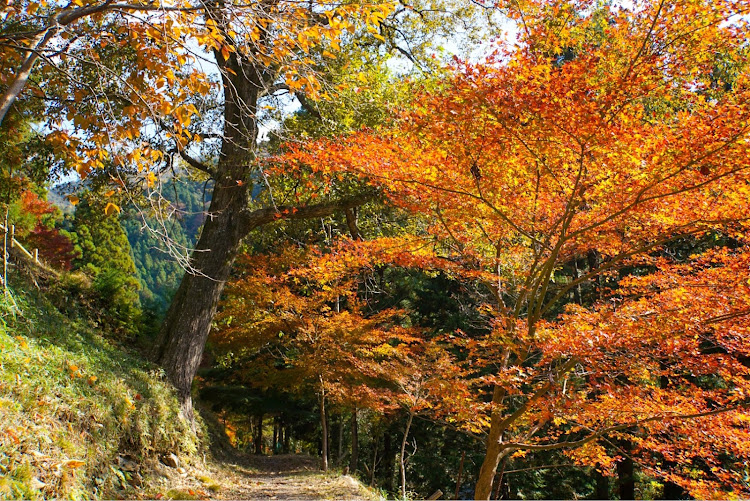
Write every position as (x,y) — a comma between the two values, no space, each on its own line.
(73,403)
(210,484)
(182,494)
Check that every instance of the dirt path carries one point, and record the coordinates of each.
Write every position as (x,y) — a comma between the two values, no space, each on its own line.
(283,477)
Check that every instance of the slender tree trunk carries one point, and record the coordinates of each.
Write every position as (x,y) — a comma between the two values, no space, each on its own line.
(259,435)
(460,474)
(375,447)
(354,458)
(5,247)
(275,435)
(402,457)
(287,439)
(324,429)
(340,455)
(500,479)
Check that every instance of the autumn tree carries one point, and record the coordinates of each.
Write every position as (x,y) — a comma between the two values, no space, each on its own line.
(35,223)
(601,136)
(294,322)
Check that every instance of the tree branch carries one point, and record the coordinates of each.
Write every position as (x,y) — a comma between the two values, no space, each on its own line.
(624,426)
(253,219)
(195,164)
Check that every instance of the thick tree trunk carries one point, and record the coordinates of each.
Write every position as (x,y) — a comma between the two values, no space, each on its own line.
(186,327)
(495,451)
(188,322)
(354,458)
(602,486)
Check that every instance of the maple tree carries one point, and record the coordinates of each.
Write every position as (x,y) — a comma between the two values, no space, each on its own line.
(603,135)
(34,219)
(294,322)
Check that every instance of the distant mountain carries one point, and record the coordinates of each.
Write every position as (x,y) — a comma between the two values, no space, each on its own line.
(158,270)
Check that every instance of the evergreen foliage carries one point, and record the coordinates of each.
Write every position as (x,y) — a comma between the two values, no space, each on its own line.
(105,255)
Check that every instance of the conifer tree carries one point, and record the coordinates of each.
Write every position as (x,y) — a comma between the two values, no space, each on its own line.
(106,256)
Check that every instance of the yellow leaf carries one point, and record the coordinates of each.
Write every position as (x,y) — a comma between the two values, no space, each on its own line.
(78,2)
(73,463)
(109,193)
(22,342)
(92,380)
(111,209)
(73,368)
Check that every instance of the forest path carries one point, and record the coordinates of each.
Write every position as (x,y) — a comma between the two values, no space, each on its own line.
(284,477)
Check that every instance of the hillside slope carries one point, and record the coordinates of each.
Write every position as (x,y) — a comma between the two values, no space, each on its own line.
(81,416)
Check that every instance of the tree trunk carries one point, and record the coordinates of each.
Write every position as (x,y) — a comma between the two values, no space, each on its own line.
(354,458)
(259,435)
(602,486)
(495,451)
(287,439)
(625,473)
(275,435)
(188,322)
(460,474)
(402,457)
(340,455)
(183,335)
(324,430)
(673,491)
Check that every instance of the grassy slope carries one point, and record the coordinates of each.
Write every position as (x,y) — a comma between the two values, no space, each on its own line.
(80,416)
